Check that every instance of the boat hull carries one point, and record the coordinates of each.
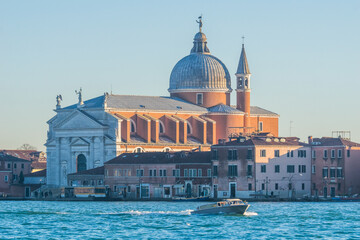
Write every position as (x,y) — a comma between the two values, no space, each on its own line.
(234,209)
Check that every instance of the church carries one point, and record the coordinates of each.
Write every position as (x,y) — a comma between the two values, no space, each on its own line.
(196,115)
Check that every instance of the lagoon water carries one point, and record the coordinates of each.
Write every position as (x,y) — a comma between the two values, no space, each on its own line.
(173,220)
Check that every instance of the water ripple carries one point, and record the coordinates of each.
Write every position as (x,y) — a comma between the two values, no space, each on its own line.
(170,220)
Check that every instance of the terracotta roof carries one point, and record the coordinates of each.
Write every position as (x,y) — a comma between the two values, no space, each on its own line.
(264,141)
(38,165)
(5,157)
(41,173)
(93,171)
(161,158)
(329,141)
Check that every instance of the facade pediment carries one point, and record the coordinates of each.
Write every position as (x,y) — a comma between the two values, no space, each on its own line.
(79,142)
(79,120)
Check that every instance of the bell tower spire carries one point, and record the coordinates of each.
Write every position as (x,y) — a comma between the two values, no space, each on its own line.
(243,87)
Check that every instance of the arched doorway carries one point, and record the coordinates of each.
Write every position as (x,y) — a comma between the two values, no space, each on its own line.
(81,163)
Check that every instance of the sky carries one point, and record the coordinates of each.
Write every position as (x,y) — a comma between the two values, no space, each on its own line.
(304,57)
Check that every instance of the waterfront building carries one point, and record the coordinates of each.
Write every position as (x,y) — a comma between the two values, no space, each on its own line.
(159,175)
(335,167)
(197,113)
(261,166)
(12,171)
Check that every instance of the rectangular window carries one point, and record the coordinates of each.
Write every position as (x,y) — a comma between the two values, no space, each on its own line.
(232,154)
(277,153)
(288,153)
(232,170)
(250,187)
(313,154)
(199,172)
(332,153)
(303,186)
(348,153)
(325,154)
(276,186)
(249,154)
(6,178)
(174,172)
(215,155)
(177,172)
(139,172)
(249,170)
(154,173)
(22,165)
(290,168)
(150,172)
(340,153)
(185,172)
(263,168)
(215,172)
(261,126)
(209,172)
(262,153)
(199,98)
(277,168)
(332,172)
(160,172)
(313,169)
(302,168)
(292,153)
(339,173)
(325,172)
(263,186)
(302,153)
(164,172)
(192,173)
(15,165)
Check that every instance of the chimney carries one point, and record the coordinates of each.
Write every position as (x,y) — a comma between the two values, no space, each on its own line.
(310,139)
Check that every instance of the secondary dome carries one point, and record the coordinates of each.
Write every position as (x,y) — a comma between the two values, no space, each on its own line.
(200,70)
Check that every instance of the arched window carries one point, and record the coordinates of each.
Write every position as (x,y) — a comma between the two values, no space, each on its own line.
(246,82)
(139,150)
(132,126)
(166,149)
(189,128)
(240,82)
(80,163)
(161,127)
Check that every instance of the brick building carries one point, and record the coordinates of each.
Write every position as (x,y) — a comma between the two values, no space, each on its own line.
(159,175)
(335,167)
(12,171)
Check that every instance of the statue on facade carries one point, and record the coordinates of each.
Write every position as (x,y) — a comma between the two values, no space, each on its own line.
(200,23)
(79,93)
(58,101)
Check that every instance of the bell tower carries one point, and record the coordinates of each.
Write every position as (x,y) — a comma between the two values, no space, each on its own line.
(243,87)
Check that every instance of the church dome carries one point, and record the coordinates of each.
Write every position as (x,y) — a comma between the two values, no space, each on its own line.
(200,70)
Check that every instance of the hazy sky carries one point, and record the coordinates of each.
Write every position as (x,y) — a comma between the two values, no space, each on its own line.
(304,57)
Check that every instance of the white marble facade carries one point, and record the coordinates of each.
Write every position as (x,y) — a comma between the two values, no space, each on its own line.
(72,132)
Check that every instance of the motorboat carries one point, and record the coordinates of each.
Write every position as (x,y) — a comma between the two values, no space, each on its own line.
(227,206)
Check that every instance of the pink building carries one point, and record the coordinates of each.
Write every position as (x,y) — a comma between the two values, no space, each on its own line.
(261,166)
(335,167)
(12,171)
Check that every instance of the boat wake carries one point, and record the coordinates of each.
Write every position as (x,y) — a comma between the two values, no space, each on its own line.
(250,214)
(135,212)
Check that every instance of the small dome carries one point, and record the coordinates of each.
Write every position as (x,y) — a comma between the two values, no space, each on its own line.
(200,70)
(200,37)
